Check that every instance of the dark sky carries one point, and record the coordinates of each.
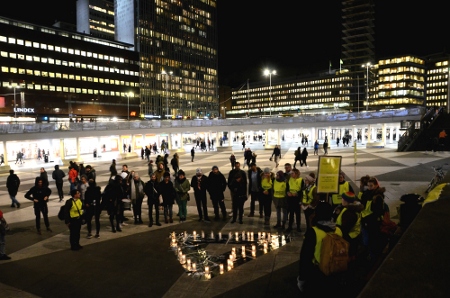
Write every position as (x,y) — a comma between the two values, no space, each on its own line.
(291,37)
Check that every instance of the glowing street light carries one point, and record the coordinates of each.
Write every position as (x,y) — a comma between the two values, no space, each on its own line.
(367,66)
(167,92)
(269,73)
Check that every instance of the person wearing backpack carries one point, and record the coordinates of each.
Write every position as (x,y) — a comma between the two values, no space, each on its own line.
(310,277)
(298,156)
(73,211)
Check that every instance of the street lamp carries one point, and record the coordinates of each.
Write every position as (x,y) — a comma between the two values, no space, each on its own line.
(367,66)
(224,109)
(167,92)
(128,106)
(269,73)
(14,108)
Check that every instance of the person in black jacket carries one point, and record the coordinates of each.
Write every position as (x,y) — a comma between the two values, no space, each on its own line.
(150,189)
(12,184)
(112,168)
(254,188)
(239,188)
(216,186)
(167,191)
(92,202)
(58,175)
(112,199)
(199,183)
(39,194)
(231,174)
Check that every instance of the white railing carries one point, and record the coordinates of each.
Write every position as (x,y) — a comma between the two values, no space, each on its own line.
(13,128)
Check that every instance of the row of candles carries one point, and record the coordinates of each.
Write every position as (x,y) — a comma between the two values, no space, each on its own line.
(249,236)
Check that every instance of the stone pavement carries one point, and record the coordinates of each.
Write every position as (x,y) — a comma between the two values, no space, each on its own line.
(139,262)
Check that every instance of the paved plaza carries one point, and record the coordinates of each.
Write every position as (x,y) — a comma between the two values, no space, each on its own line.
(139,262)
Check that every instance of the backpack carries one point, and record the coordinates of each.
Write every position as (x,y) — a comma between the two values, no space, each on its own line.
(334,254)
(61,213)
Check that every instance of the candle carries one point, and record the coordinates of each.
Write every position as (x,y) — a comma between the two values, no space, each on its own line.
(180,255)
(254,254)
(194,267)
(269,237)
(252,237)
(253,247)
(243,248)
(263,235)
(188,264)
(243,235)
(221,268)
(220,235)
(248,235)
(203,235)
(236,236)
(212,235)
(207,276)
(231,257)
(185,234)
(265,245)
(229,236)
(233,250)
(194,235)
(229,264)
(259,235)
(243,251)
(265,250)
(206,269)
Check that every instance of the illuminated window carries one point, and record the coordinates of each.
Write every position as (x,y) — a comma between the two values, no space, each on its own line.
(58,88)
(29,71)
(36,45)
(44,60)
(65,89)
(64,49)
(28,43)
(13,70)
(29,58)
(37,87)
(43,46)
(65,76)
(4,54)
(57,49)
(51,74)
(11,40)
(52,88)
(50,48)
(51,61)
(3,38)
(78,78)
(5,69)
(21,71)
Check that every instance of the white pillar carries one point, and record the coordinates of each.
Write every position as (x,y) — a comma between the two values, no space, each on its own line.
(383,133)
(369,134)
(231,136)
(5,154)
(78,149)
(280,134)
(312,137)
(266,141)
(391,134)
(169,141)
(355,134)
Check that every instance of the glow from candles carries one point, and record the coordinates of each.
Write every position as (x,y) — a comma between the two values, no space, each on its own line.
(269,237)
(243,235)
(203,235)
(233,250)
(263,235)
(254,254)
(265,250)
(265,245)
(251,237)
(220,236)
(221,268)
(236,236)
(206,269)
(259,235)
(188,264)
(194,267)
(212,235)
(253,247)
(194,235)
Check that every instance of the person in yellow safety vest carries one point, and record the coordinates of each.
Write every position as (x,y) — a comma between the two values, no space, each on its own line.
(348,217)
(310,198)
(279,199)
(295,187)
(310,276)
(344,186)
(265,199)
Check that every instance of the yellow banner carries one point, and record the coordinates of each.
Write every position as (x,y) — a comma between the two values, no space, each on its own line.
(328,174)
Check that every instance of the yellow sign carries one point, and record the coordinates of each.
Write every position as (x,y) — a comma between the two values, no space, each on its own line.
(328,174)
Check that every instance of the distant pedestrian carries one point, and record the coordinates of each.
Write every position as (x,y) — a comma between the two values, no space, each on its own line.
(112,169)
(192,154)
(304,156)
(325,147)
(243,144)
(232,160)
(276,155)
(12,184)
(316,147)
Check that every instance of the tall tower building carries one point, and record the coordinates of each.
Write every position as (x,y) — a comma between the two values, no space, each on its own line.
(358,46)
(96,18)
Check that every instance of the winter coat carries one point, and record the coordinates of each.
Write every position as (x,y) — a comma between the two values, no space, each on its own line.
(13,183)
(216,185)
(167,192)
(39,194)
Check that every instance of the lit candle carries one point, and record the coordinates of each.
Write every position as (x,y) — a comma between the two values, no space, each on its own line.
(265,250)
(254,254)
(229,265)
(203,235)
(265,245)
(206,269)
(248,235)
(259,235)
(243,248)
(253,247)
(236,236)
(212,235)
(243,235)
(233,250)
(243,252)
(180,255)
(269,237)
(221,268)
(194,235)
(220,235)
(188,263)
(229,236)
(263,235)
(194,267)
(251,237)
(207,276)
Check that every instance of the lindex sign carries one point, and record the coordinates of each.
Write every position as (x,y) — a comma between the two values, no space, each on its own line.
(24,110)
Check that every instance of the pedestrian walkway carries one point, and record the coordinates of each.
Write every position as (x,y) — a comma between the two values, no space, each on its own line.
(139,262)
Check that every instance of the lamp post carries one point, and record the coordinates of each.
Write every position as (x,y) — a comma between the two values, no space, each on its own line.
(269,73)
(367,66)
(14,108)
(167,92)
(128,106)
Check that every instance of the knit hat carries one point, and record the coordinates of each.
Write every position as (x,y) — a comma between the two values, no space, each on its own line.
(348,197)
(1,214)
(198,171)
(181,172)
(310,178)
(214,167)
(267,170)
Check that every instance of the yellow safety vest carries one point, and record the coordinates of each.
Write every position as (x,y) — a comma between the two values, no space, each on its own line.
(320,234)
(74,211)
(308,196)
(295,185)
(337,197)
(356,229)
(266,184)
(279,189)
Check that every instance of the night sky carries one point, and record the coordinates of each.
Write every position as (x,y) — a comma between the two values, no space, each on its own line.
(292,37)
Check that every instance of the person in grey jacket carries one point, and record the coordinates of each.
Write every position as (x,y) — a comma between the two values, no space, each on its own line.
(58,175)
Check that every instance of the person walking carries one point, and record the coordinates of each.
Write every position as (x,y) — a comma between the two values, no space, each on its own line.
(182,186)
(192,154)
(243,144)
(325,146)
(93,208)
(112,169)
(304,156)
(58,175)
(199,184)
(216,187)
(73,214)
(276,155)
(152,199)
(39,194)
(12,184)
(232,160)
(44,175)
(298,156)
(175,163)
(316,147)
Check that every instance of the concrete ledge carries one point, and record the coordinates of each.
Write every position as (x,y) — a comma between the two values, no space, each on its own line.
(375,145)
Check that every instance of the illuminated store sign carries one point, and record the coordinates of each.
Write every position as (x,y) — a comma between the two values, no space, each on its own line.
(23,110)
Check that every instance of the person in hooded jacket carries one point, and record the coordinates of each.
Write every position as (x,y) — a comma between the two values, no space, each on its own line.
(90,173)
(112,199)
(175,163)
(12,184)
(182,187)
(40,194)
(216,187)
(92,197)
(199,184)
(44,175)
(58,176)
(159,173)
(150,190)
